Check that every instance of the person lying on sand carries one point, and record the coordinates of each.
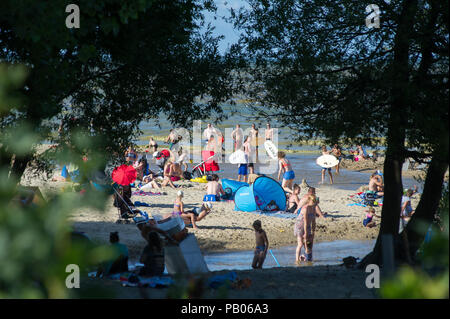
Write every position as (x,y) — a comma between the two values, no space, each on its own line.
(368,222)
(214,190)
(262,245)
(201,212)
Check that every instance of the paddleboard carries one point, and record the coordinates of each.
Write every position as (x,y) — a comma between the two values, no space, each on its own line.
(238,157)
(271,149)
(327,161)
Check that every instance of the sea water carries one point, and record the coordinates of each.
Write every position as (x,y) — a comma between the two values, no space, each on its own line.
(324,253)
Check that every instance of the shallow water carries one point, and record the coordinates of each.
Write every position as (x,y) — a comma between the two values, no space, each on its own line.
(324,253)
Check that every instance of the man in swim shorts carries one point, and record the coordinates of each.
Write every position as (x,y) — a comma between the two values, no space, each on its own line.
(242,171)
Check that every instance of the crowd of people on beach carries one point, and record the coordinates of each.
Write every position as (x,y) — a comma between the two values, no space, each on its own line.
(173,166)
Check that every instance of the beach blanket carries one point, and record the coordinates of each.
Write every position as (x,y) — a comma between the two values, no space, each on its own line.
(129,279)
(278,214)
(365,199)
(142,193)
(220,280)
(138,204)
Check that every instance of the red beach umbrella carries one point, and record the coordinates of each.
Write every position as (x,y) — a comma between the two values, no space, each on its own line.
(124,174)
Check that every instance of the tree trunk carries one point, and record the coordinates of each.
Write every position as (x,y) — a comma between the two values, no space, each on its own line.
(399,77)
(429,202)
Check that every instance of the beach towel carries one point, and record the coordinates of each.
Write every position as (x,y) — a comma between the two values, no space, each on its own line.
(138,203)
(220,280)
(142,193)
(278,214)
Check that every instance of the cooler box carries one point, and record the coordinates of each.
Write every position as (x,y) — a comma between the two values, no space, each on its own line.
(186,258)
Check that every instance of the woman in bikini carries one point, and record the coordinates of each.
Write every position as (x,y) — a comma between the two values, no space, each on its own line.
(172,173)
(289,175)
(178,210)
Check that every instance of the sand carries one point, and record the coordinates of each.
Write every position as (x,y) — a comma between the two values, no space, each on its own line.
(224,229)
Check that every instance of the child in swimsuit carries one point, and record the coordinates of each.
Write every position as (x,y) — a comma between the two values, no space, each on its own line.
(262,244)
(294,200)
(178,210)
(368,222)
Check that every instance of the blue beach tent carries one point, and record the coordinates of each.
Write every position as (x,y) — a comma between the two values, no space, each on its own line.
(256,196)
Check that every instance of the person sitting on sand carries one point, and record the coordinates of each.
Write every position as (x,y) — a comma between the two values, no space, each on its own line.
(362,154)
(142,168)
(368,222)
(376,184)
(262,245)
(172,173)
(149,183)
(272,207)
(288,175)
(304,229)
(294,200)
(326,152)
(201,212)
(214,190)
(119,260)
(178,210)
(146,226)
(152,256)
(130,155)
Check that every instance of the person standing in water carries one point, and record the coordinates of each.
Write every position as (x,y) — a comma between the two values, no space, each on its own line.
(337,152)
(304,229)
(262,245)
(254,140)
(237,135)
(288,175)
(269,133)
(326,152)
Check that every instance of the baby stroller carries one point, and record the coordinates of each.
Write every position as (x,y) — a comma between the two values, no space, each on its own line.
(207,165)
(123,203)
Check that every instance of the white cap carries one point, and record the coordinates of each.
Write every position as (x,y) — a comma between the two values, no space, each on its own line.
(208,205)
(155,154)
(180,193)
(379,173)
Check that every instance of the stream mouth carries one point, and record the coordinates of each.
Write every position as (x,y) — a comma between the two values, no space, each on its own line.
(324,253)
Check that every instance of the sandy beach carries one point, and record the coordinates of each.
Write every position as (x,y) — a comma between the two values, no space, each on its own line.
(224,229)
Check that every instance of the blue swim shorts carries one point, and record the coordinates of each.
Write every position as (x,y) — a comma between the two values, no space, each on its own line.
(242,169)
(210,198)
(289,175)
(326,169)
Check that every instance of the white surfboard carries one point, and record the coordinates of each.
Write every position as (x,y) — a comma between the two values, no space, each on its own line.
(271,149)
(327,161)
(238,157)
